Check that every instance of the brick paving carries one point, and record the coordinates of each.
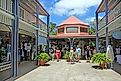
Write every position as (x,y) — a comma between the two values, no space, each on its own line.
(63,71)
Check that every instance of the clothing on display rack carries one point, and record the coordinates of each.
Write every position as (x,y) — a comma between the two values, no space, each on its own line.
(27,48)
(117,50)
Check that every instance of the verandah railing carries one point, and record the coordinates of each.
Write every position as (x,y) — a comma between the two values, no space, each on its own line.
(113,14)
(5,65)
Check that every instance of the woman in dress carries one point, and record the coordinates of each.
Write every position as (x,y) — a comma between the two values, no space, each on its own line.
(58,54)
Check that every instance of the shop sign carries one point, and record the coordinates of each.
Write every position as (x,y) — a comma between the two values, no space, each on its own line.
(117,34)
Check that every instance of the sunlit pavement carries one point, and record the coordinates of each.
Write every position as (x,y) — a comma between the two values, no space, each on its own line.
(63,71)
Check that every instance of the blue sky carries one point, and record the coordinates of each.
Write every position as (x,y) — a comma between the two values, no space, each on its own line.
(60,10)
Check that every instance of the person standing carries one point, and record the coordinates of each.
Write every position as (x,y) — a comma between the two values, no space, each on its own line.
(52,53)
(58,54)
(94,51)
(8,52)
(71,55)
(22,50)
(88,55)
(78,53)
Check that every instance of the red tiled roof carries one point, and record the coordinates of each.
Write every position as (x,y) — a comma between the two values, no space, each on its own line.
(73,20)
(72,36)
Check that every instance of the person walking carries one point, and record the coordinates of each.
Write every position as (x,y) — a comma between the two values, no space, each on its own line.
(58,54)
(88,55)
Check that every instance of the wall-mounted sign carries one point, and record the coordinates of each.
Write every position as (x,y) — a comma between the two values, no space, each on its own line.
(117,34)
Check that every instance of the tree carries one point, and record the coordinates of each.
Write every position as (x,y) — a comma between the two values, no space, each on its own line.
(52,28)
(92,27)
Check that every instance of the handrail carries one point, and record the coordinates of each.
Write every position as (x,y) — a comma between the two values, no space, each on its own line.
(5,66)
(5,63)
(23,19)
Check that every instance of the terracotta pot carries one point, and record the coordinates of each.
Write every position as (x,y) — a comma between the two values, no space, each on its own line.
(87,61)
(103,65)
(41,62)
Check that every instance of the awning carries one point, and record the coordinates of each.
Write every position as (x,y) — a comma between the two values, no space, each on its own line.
(42,40)
(26,33)
(5,28)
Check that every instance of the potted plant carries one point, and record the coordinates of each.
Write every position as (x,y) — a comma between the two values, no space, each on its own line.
(67,56)
(42,58)
(101,59)
(2,54)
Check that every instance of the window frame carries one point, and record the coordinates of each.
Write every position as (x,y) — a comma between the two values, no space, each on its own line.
(75,31)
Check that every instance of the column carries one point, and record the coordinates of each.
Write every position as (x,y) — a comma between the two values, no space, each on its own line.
(48,18)
(37,24)
(106,13)
(83,42)
(14,47)
(97,37)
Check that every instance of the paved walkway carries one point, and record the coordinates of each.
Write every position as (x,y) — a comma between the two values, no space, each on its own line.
(63,71)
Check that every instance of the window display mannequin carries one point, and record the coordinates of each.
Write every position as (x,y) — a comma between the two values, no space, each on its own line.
(22,51)
(8,52)
(33,52)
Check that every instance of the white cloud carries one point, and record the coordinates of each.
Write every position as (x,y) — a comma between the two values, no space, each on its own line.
(43,18)
(43,4)
(93,18)
(90,19)
(73,7)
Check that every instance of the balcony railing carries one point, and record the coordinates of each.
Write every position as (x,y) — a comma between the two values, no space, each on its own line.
(102,22)
(4,19)
(6,5)
(113,14)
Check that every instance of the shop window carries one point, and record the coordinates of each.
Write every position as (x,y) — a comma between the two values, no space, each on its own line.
(61,30)
(72,29)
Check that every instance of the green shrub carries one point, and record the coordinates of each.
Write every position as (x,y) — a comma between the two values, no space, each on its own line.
(100,58)
(66,56)
(2,51)
(43,56)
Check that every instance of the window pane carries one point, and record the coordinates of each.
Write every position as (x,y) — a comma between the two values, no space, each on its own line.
(81,29)
(72,29)
(61,30)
